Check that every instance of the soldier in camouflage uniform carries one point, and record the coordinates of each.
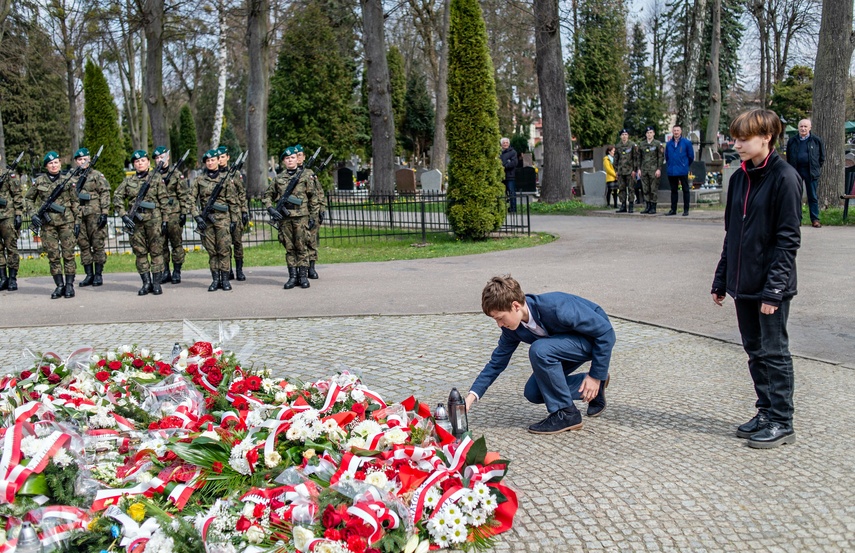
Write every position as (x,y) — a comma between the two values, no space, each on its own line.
(650,158)
(298,216)
(626,165)
(94,199)
(11,217)
(220,223)
(312,244)
(237,233)
(174,214)
(60,226)
(147,228)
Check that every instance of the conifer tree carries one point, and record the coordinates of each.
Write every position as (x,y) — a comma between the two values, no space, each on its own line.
(398,80)
(475,189)
(101,124)
(187,136)
(419,118)
(644,105)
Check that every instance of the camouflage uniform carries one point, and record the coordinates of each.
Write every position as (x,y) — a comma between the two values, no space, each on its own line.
(651,157)
(147,239)
(57,234)
(312,244)
(626,161)
(11,206)
(179,201)
(94,199)
(292,229)
(243,209)
(216,237)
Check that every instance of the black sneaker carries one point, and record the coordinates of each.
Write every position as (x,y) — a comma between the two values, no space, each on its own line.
(597,405)
(772,435)
(753,426)
(562,420)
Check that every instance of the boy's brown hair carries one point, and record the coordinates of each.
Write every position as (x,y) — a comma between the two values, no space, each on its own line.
(757,122)
(500,294)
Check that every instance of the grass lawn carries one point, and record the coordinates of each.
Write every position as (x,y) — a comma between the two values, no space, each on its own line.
(273,254)
(571,207)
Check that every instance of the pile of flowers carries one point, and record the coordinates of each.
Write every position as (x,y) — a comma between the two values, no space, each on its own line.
(129,451)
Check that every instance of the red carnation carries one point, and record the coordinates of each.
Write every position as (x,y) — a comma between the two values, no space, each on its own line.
(357,544)
(215,376)
(359,409)
(103,376)
(54,378)
(164,371)
(201,348)
(258,510)
(243,524)
(217,467)
(332,534)
(240,404)
(45,370)
(252,457)
(115,365)
(101,362)
(238,387)
(209,362)
(253,383)
(26,374)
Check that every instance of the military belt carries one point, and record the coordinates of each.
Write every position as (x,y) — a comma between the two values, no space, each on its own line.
(220,207)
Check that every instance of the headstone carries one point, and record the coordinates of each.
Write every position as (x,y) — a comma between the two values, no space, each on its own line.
(344,179)
(363,175)
(432,181)
(699,169)
(405,181)
(588,164)
(527,160)
(595,188)
(728,172)
(525,180)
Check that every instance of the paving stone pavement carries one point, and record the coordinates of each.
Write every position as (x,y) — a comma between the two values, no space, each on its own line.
(661,469)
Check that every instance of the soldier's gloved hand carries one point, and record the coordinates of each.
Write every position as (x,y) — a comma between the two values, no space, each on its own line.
(102,221)
(274,213)
(36,222)
(77,230)
(311,224)
(18,222)
(232,226)
(163,226)
(200,223)
(182,219)
(129,224)
(321,216)
(244,218)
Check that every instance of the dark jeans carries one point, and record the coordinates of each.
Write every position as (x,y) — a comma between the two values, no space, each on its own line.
(511,189)
(674,181)
(553,362)
(766,342)
(810,187)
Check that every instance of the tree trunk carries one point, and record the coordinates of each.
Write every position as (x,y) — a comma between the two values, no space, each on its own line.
(686,107)
(379,99)
(5,6)
(833,55)
(73,126)
(153,17)
(557,175)
(2,137)
(143,105)
(758,10)
(221,85)
(713,77)
(439,154)
(258,89)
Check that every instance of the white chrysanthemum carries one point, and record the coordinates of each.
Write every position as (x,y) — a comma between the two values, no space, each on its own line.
(143,477)
(355,441)
(432,498)
(248,509)
(394,436)
(280,397)
(291,434)
(268,385)
(159,543)
(256,417)
(489,503)
(478,517)
(357,395)
(442,540)
(330,425)
(272,459)
(457,533)
(62,459)
(441,518)
(254,534)
(331,547)
(468,501)
(481,490)
(237,458)
(366,428)
(30,445)
(158,445)
(377,479)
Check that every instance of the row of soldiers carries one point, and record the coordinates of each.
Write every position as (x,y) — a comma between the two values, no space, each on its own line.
(643,159)
(153,204)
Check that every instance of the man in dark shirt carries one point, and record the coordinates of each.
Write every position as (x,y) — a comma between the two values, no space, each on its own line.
(509,162)
(806,153)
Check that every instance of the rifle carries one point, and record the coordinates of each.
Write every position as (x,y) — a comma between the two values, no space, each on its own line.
(42,214)
(287,197)
(324,164)
(82,180)
(215,193)
(11,167)
(176,167)
(132,213)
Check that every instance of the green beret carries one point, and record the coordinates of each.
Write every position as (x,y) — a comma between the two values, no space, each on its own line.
(50,156)
(222,150)
(160,150)
(82,152)
(139,154)
(208,155)
(298,148)
(289,151)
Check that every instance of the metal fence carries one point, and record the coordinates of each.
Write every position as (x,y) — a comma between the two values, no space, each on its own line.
(351,216)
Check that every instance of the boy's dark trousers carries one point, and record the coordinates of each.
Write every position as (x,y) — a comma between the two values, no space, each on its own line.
(766,342)
(674,182)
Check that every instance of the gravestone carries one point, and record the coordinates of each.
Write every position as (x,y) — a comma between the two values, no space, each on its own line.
(432,181)
(526,180)
(595,188)
(363,175)
(527,160)
(405,181)
(344,179)
(699,169)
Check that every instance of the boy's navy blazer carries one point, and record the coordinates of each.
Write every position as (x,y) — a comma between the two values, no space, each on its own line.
(557,313)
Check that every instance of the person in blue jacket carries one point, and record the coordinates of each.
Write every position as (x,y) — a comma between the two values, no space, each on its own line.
(679,155)
(564,332)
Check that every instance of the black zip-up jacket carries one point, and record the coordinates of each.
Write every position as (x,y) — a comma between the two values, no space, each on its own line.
(816,153)
(762,234)
(509,162)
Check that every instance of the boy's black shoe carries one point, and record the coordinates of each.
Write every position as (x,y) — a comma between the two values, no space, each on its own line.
(773,435)
(672,212)
(562,420)
(597,405)
(753,426)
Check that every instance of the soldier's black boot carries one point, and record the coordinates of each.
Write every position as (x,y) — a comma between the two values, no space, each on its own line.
(303,276)
(652,208)
(165,276)
(156,278)
(312,272)
(13,280)
(146,284)
(224,281)
(176,273)
(239,270)
(4,279)
(622,208)
(98,279)
(292,278)
(231,270)
(629,205)
(69,286)
(90,275)
(215,283)
(59,291)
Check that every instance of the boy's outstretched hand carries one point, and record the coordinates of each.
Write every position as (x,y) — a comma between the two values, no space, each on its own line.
(590,388)
(470,399)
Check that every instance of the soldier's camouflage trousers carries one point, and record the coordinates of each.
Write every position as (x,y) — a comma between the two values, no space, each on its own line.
(91,241)
(148,242)
(312,242)
(625,182)
(217,242)
(8,244)
(58,242)
(175,237)
(293,235)
(237,240)
(650,186)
